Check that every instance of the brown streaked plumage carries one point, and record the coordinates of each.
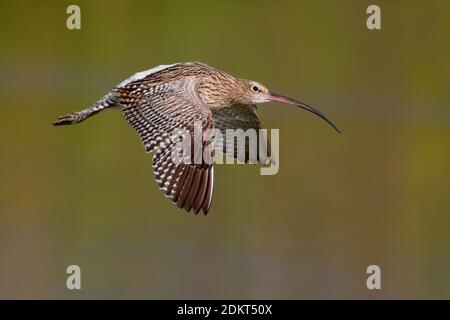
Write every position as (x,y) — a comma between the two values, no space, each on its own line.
(160,100)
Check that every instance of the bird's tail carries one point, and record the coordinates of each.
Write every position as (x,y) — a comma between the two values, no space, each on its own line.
(76,117)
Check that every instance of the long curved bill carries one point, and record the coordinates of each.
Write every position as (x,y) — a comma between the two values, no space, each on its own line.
(279,98)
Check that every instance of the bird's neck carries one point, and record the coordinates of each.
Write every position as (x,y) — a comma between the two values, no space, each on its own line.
(219,93)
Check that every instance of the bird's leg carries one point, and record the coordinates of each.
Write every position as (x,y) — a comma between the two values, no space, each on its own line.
(76,117)
(79,116)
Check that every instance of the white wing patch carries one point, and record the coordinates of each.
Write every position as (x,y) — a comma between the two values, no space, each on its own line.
(143,74)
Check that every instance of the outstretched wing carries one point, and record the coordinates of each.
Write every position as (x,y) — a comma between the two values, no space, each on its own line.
(240,117)
(156,111)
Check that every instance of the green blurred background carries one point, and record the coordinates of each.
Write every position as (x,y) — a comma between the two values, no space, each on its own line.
(85,195)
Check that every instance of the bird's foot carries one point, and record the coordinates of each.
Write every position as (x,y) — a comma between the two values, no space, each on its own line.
(70,118)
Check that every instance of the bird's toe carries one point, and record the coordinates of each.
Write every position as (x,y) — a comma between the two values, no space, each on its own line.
(66,119)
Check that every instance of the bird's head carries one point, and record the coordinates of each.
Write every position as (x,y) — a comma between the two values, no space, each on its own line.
(252,92)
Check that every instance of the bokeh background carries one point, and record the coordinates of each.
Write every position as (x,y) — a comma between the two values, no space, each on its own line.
(85,195)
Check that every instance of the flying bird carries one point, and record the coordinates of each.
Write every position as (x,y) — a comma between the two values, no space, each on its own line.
(158,101)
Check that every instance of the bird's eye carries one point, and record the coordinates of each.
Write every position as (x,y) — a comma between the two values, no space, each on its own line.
(255,89)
